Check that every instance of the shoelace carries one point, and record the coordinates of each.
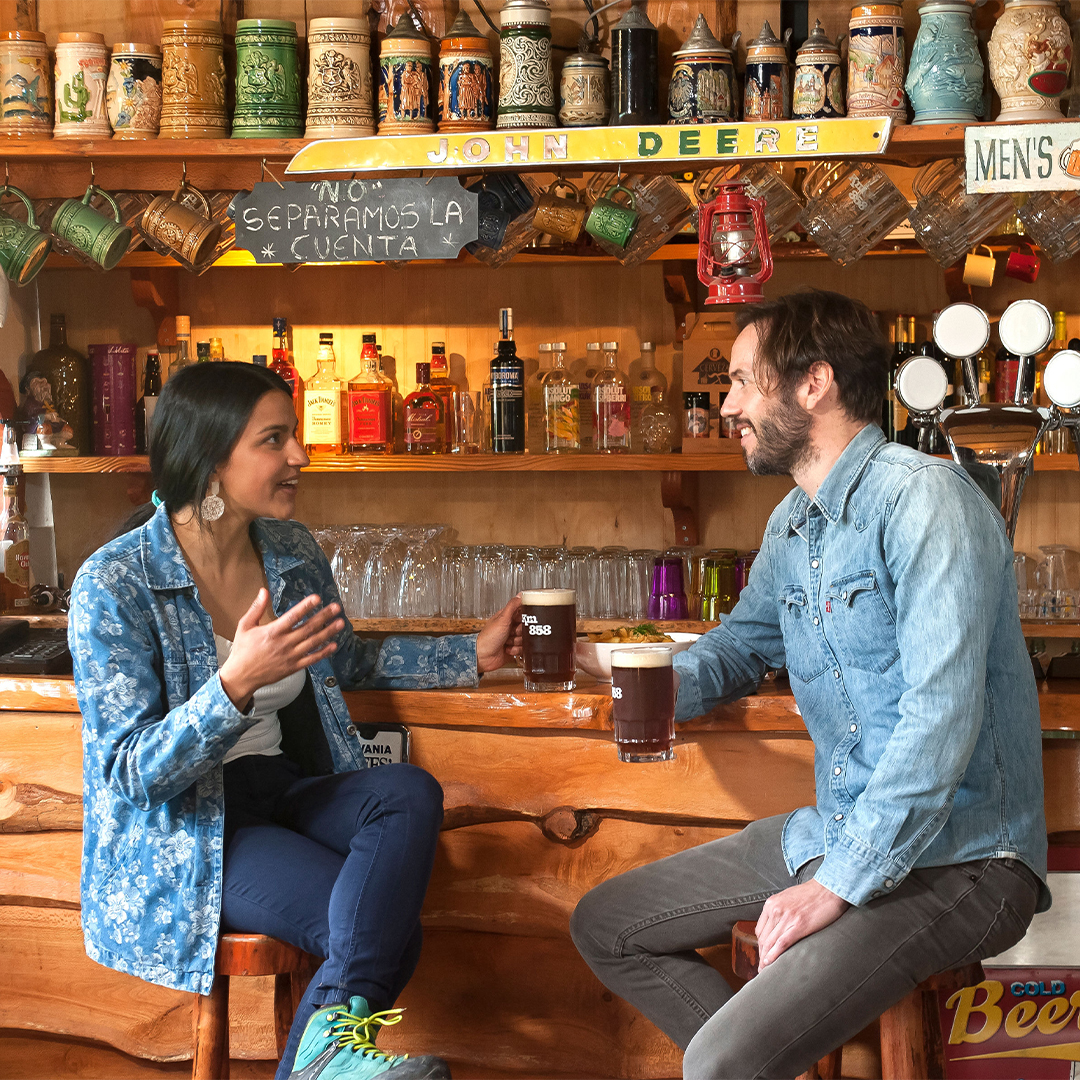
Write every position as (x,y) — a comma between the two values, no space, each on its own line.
(354,1032)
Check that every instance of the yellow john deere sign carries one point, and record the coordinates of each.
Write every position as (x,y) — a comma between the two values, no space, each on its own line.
(681,144)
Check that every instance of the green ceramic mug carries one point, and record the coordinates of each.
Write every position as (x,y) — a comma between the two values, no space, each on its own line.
(612,221)
(80,225)
(23,248)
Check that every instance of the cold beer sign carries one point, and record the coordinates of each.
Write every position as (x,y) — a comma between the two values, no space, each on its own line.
(1022,157)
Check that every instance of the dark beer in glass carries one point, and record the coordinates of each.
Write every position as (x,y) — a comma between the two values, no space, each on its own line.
(548,630)
(643,702)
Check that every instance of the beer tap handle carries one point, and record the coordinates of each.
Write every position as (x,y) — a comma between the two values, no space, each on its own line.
(1020,396)
(971,380)
(924,437)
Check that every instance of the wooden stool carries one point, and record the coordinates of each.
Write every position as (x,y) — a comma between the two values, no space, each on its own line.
(911,1047)
(247,954)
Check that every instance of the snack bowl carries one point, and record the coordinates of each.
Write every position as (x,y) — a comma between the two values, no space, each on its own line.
(595,656)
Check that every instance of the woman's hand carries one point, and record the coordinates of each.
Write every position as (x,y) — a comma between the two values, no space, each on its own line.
(500,639)
(265,654)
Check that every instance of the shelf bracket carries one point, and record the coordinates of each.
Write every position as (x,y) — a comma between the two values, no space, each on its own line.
(158,290)
(680,291)
(679,494)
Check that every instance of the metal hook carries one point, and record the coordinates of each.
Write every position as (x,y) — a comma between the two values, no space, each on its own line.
(183,174)
(7,181)
(92,177)
(266,172)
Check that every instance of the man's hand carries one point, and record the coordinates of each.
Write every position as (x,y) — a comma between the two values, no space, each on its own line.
(500,639)
(793,914)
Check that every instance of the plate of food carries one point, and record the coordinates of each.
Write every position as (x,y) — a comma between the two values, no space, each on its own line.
(594,655)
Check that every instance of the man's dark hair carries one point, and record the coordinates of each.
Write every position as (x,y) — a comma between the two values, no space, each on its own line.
(804,328)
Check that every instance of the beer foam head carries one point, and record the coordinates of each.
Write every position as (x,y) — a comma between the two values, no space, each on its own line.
(651,657)
(548,597)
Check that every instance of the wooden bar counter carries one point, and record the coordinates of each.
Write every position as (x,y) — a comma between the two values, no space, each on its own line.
(538,810)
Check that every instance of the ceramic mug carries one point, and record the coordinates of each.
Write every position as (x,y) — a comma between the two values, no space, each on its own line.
(560,216)
(979,269)
(80,225)
(612,221)
(1024,266)
(177,230)
(23,247)
(492,220)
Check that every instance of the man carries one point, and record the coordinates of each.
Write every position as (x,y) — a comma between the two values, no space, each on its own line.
(884,584)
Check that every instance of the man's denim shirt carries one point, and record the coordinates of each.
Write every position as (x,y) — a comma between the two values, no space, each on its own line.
(157,725)
(890,597)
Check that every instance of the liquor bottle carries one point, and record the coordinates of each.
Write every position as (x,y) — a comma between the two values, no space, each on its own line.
(182,359)
(68,376)
(659,430)
(445,387)
(15,549)
(898,418)
(584,370)
(217,349)
(325,419)
(144,411)
(425,425)
(536,435)
(1059,441)
(507,391)
(644,381)
(202,352)
(371,427)
(281,362)
(561,405)
(611,405)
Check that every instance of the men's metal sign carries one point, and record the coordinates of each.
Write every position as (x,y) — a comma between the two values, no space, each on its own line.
(355,220)
(1022,157)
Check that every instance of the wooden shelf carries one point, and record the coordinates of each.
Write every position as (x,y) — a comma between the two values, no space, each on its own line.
(436,625)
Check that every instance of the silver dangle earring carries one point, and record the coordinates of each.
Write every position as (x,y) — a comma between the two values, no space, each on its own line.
(213,506)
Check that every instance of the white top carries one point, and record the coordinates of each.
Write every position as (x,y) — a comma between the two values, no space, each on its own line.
(264,736)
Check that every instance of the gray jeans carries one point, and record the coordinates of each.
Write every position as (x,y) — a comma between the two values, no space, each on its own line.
(639,932)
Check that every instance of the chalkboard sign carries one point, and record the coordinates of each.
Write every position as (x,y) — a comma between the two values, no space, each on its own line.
(355,220)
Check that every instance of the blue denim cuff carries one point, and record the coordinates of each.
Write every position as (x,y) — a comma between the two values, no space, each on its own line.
(857,873)
(688,702)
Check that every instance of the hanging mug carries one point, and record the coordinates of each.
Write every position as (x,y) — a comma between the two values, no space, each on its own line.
(560,216)
(174,229)
(1023,265)
(979,269)
(23,247)
(612,221)
(80,225)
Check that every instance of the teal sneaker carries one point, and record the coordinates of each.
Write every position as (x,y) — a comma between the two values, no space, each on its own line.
(339,1044)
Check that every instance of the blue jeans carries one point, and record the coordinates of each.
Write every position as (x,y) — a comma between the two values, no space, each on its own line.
(337,865)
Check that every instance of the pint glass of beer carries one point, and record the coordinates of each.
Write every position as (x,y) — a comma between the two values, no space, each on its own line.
(643,701)
(549,629)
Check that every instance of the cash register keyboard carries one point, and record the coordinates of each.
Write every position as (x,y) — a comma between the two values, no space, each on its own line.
(32,651)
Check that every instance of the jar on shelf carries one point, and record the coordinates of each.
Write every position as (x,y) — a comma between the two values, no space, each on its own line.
(466,79)
(81,68)
(27,107)
(405,104)
(341,103)
(703,84)
(1030,55)
(133,92)
(876,61)
(945,76)
(583,91)
(818,90)
(767,93)
(192,80)
(526,79)
(267,80)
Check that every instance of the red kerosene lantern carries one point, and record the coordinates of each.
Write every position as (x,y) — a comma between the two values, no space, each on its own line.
(734,257)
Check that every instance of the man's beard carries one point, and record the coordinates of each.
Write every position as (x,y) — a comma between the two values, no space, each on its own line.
(783,440)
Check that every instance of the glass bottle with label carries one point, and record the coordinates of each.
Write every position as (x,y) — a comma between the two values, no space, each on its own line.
(507,391)
(15,548)
(584,371)
(371,427)
(68,376)
(611,405)
(325,418)
(425,424)
(182,359)
(202,352)
(281,362)
(217,349)
(536,436)
(144,411)
(561,405)
(444,386)
(644,381)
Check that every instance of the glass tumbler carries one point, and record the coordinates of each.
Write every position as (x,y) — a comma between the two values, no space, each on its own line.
(1052,220)
(610,596)
(667,597)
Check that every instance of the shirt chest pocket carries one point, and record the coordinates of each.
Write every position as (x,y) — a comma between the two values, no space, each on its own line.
(805,659)
(862,624)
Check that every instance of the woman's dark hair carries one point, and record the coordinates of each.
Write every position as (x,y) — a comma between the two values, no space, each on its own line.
(804,328)
(202,411)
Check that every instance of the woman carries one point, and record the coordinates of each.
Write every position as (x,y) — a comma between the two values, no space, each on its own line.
(224,787)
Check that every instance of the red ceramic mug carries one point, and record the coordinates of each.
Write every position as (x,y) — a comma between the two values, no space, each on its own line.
(1023,265)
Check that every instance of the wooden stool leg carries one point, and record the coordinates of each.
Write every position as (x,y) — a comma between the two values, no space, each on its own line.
(210,1022)
(284,1011)
(911,1047)
(828,1068)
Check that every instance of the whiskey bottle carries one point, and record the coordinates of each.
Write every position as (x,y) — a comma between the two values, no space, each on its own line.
(611,405)
(281,362)
(15,551)
(371,429)
(425,424)
(144,411)
(445,387)
(507,391)
(325,419)
(561,405)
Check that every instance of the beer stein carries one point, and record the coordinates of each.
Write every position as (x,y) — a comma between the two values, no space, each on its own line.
(612,221)
(175,230)
(504,218)
(560,216)
(979,269)
(23,248)
(549,630)
(77,223)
